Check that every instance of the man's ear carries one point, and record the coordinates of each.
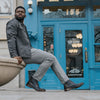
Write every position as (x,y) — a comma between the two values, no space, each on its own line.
(25,15)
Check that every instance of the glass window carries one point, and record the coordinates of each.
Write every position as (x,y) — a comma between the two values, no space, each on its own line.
(48,39)
(40,0)
(68,0)
(53,0)
(97,34)
(74,53)
(96,11)
(64,12)
(97,43)
(97,53)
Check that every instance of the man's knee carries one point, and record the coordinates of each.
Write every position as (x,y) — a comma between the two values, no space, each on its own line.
(51,58)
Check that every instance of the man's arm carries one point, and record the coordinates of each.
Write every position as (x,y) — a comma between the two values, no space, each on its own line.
(11,30)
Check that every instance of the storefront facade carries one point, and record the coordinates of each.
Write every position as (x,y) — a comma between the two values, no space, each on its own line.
(68,29)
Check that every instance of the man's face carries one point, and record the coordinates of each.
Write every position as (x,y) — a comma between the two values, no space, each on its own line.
(20,14)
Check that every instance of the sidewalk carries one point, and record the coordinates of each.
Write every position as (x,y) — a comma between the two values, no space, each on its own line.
(29,94)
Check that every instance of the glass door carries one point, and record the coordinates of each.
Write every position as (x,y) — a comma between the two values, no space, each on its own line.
(76,52)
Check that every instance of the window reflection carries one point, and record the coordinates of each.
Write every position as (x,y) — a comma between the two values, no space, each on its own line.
(64,12)
(96,11)
(97,40)
(48,40)
(97,53)
(74,56)
(97,34)
(53,0)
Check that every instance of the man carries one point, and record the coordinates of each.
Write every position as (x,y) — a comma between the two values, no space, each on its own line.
(20,49)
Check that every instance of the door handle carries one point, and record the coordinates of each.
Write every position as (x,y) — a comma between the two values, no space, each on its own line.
(86,55)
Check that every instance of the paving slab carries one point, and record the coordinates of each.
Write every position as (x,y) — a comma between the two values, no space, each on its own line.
(30,94)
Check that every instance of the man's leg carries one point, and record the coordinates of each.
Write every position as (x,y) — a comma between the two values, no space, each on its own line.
(38,57)
(68,84)
(47,60)
(56,67)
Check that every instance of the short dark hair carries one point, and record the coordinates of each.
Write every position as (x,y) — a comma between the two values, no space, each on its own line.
(20,7)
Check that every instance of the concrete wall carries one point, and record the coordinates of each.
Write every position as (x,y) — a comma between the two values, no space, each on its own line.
(19,2)
(19,80)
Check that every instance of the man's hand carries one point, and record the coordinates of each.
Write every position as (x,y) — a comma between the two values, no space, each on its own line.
(19,59)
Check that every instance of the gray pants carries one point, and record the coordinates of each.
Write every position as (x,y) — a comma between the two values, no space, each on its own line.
(45,60)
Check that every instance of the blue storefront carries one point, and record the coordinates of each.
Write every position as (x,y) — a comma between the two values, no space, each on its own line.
(69,29)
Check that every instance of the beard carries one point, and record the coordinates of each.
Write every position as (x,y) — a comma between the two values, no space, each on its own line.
(20,18)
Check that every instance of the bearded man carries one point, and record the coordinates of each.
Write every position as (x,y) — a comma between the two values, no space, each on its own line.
(21,49)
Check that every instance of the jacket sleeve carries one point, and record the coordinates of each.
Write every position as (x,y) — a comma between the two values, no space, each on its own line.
(11,31)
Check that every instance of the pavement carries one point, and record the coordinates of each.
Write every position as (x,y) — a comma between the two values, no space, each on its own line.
(30,94)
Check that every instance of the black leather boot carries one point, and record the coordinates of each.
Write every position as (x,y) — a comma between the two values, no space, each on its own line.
(33,83)
(69,85)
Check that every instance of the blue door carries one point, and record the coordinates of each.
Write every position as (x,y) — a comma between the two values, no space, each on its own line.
(73,52)
(49,44)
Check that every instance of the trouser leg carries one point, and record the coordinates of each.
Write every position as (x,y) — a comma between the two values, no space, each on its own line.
(44,66)
(46,60)
(39,57)
(56,67)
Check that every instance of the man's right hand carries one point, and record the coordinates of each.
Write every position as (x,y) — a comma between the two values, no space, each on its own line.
(19,59)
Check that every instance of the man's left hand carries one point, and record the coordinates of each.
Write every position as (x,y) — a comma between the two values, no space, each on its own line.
(19,59)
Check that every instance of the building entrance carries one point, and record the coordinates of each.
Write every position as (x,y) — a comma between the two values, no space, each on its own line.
(73,38)
(68,42)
